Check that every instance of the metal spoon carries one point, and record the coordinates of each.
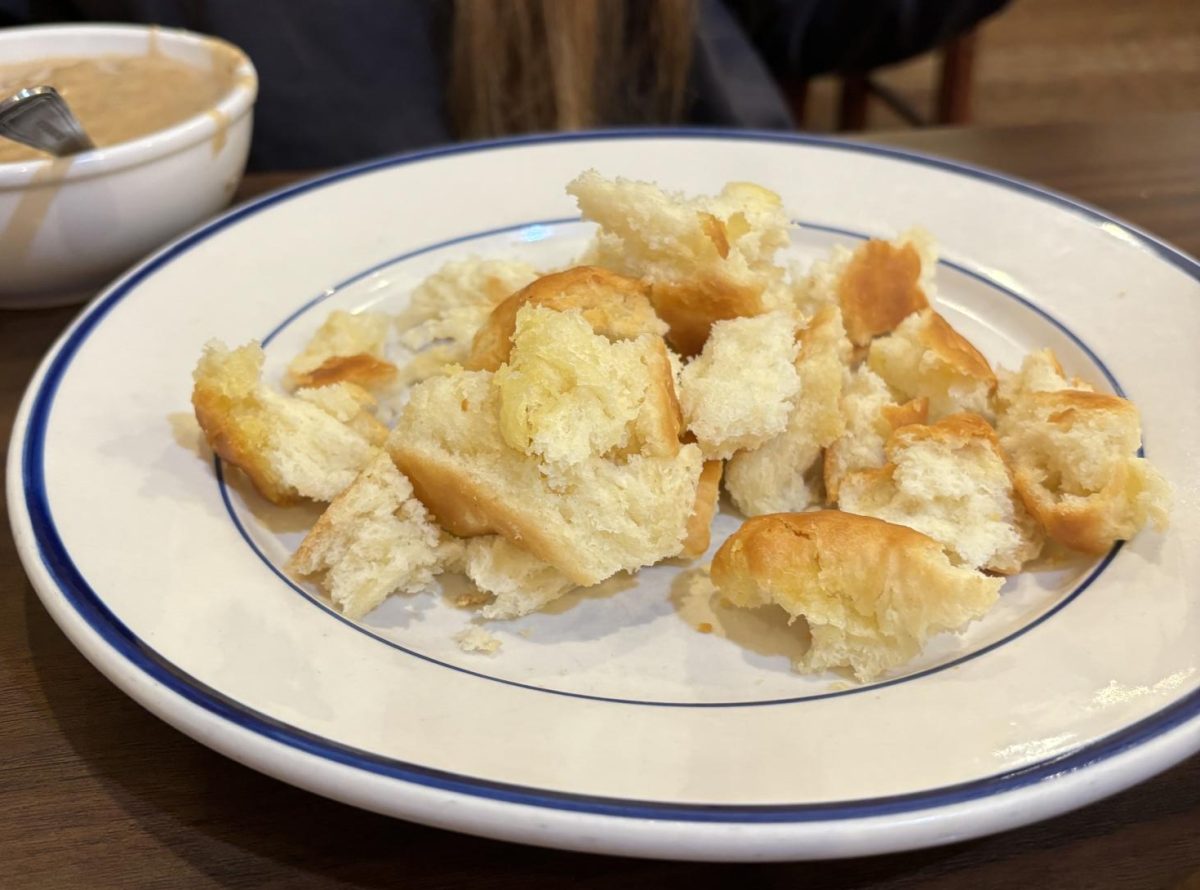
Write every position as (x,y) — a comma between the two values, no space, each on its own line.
(39,117)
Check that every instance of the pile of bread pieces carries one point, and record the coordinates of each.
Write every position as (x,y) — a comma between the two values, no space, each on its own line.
(548,431)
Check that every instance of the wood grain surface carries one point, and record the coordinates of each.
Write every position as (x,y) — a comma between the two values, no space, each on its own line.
(95,792)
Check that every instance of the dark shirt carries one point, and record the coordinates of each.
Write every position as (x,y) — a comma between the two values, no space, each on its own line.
(345,80)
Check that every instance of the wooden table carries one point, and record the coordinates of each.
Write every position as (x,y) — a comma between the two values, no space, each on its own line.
(96,792)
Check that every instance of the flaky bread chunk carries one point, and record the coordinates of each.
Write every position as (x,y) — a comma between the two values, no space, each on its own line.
(699,524)
(1040,372)
(739,391)
(1074,456)
(926,358)
(373,540)
(871,592)
(877,285)
(783,474)
(589,520)
(950,481)
(347,347)
(290,448)
(454,301)
(519,582)
(349,403)
(449,306)
(706,258)
(568,394)
(615,306)
(871,415)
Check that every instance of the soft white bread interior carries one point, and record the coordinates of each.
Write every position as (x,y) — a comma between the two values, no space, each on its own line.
(519,582)
(373,540)
(924,357)
(289,447)
(784,473)
(348,347)
(877,285)
(739,391)
(705,258)
(871,592)
(1040,372)
(589,519)
(951,482)
(568,394)
(449,306)
(349,403)
(615,306)
(871,414)
(1075,459)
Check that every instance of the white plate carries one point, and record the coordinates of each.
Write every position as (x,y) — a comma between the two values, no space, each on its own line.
(612,725)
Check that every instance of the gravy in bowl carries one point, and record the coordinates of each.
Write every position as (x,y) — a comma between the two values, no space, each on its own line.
(119,97)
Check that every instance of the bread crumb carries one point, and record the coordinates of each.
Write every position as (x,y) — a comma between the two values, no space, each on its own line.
(472,599)
(476,639)
(704,627)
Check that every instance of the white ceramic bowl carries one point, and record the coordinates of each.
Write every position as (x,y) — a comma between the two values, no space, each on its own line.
(68,226)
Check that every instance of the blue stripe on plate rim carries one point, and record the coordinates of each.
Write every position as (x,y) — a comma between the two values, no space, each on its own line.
(89,606)
(327,294)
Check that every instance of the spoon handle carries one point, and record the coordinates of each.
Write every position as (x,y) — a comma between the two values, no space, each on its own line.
(40,118)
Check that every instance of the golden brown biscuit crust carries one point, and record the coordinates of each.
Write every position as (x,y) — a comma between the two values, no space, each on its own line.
(699,524)
(784,551)
(954,349)
(615,306)
(362,369)
(690,308)
(879,288)
(1086,523)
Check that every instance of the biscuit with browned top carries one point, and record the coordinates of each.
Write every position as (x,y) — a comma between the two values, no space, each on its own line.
(871,592)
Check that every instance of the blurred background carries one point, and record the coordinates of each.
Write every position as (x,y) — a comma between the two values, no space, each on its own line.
(1043,61)
(343,80)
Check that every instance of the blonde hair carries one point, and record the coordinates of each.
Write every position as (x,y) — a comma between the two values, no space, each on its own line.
(533,65)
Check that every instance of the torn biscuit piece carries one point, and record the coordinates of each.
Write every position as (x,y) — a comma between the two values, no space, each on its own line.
(784,473)
(1075,459)
(877,285)
(1040,372)
(448,307)
(567,394)
(588,519)
(373,540)
(706,258)
(616,307)
(871,415)
(518,581)
(924,357)
(454,301)
(347,347)
(951,481)
(872,593)
(290,447)
(699,524)
(349,403)
(738,392)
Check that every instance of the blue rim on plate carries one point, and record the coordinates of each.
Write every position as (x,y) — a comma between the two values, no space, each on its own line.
(90,607)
